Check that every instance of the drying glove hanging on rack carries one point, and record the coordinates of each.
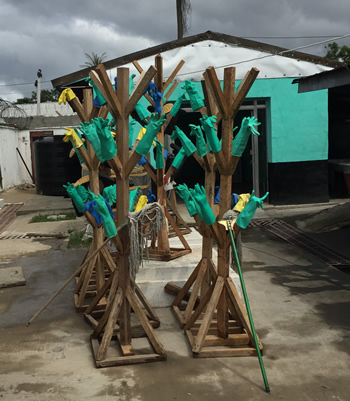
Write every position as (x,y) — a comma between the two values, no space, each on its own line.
(90,207)
(152,129)
(185,141)
(108,145)
(133,198)
(156,96)
(66,95)
(177,105)
(178,158)
(247,213)
(200,197)
(110,193)
(159,154)
(89,130)
(106,214)
(201,146)
(195,99)
(74,195)
(100,99)
(141,203)
(241,139)
(83,193)
(184,193)
(208,125)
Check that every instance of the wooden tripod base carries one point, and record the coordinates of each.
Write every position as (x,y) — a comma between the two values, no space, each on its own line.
(211,331)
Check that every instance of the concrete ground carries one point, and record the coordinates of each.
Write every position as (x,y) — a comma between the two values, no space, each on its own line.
(300,308)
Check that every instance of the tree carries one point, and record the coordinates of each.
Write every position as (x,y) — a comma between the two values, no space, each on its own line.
(46,95)
(338,53)
(94,59)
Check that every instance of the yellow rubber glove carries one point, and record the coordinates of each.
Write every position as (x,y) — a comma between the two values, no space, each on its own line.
(142,202)
(71,135)
(66,95)
(113,134)
(242,201)
(141,134)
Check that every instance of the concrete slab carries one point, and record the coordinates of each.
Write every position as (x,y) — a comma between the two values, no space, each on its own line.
(11,277)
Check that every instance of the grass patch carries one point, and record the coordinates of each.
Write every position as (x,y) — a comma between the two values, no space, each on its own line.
(43,218)
(76,240)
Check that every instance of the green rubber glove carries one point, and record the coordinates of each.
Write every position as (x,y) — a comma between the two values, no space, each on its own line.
(202,204)
(131,83)
(133,198)
(132,122)
(176,106)
(89,130)
(186,142)
(110,193)
(108,145)
(159,154)
(208,125)
(74,195)
(201,146)
(195,99)
(185,194)
(83,193)
(247,213)
(241,139)
(152,130)
(178,158)
(100,98)
(108,222)
(141,111)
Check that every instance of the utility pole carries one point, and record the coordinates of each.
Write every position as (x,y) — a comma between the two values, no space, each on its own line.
(38,91)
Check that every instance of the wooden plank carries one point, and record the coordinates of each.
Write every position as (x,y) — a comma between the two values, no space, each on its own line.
(212,109)
(145,302)
(140,70)
(176,229)
(85,157)
(140,88)
(213,83)
(232,340)
(173,75)
(195,291)
(204,300)
(243,90)
(99,295)
(131,163)
(178,315)
(88,102)
(225,352)
(144,321)
(78,108)
(109,92)
(187,285)
(219,285)
(102,111)
(116,166)
(107,336)
(171,90)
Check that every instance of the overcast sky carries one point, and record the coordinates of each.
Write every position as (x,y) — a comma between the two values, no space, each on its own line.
(54,34)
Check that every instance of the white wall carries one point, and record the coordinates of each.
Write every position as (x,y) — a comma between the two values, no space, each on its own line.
(13,171)
(47,109)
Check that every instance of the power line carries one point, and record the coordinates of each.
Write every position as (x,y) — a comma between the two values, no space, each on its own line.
(24,83)
(289,37)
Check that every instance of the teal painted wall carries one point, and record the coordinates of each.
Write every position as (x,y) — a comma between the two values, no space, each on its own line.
(297,122)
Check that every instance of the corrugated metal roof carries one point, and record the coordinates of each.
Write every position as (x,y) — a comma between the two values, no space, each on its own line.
(258,48)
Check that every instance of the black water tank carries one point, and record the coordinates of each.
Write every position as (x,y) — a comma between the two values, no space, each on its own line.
(53,167)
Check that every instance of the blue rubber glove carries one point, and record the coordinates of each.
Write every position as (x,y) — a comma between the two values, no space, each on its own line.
(202,204)
(90,207)
(178,158)
(201,146)
(247,213)
(184,193)
(151,197)
(195,99)
(107,217)
(74,195)
(177,105)
(187,145)
(159,154)
(241,139)
(156,96)
(208,125)
(108,145)
(152,130)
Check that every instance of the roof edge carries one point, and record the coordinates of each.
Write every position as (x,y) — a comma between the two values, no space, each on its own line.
(208,35)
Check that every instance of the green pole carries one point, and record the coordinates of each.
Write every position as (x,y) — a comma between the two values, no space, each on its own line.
(267,387)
